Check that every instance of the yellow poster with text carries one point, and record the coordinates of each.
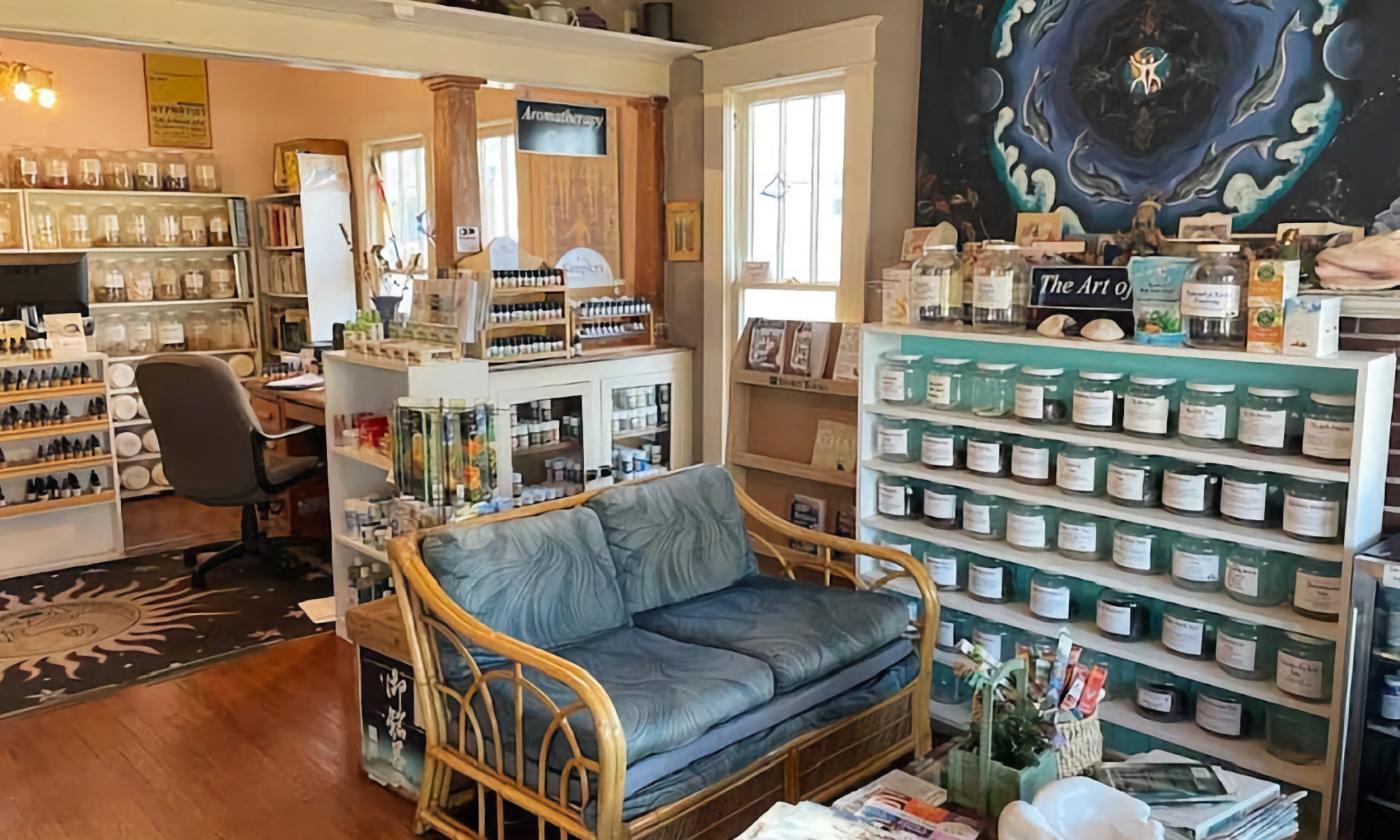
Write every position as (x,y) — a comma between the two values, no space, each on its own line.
(177,102)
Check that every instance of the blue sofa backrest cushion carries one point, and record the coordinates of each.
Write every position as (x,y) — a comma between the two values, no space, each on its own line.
(675,538)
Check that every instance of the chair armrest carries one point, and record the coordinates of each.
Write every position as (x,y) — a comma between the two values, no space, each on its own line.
(302,429)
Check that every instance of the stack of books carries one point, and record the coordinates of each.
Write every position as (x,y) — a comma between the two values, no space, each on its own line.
(896,806)
(1227,806)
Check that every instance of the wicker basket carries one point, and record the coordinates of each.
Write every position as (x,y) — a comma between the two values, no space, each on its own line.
(1083,747)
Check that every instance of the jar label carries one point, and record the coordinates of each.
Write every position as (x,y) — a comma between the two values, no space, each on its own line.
(1210,300)
(139,331)
(977,519)
(1030,401)
(940,389)
(990,643)
(892,441)
(947,634)
(1239,654)
(1075,473)
(891,385)
(1203,421)
(940,505)
(1222,717)
(992,289)
(1156,701)
(1050,602)
(936,451)
(926,290)
(983,457)
(148,169)
(1131,551)
(170,334)
(1025,531)
(28,167)
(1078,537)
(1184,492)
(1330,439)
(1300,677)
(943,570)
(1126,483)
(1146,415)
(1183,635)
(1094,408)
(1311,517)
(893,500)
(1261,427)
(1317,594)
(1197,568)
(1241,579)
(985,581)
(192,224)
(1115,620)
(1242,500)
(1030,462)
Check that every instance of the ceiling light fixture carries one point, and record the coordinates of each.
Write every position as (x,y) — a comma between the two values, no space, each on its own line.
(26,83)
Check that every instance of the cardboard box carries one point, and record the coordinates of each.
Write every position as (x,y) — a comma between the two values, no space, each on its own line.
(1312,326)
(1272,284)
(895,295)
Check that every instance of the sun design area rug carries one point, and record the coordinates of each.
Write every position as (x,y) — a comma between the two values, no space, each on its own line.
(66,634)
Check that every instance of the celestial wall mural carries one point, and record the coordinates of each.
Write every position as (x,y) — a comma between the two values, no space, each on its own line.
(1272,110)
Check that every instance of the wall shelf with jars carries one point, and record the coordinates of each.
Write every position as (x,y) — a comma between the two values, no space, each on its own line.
(1190,514)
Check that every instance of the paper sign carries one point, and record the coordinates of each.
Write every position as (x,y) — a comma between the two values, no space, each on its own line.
(758,272)
(584,268)
(553,128)
(505,254)
(177,102)
(65,335)
(468,239)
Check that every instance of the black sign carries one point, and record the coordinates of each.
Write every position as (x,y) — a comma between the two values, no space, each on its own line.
(552,128)
(1083,292)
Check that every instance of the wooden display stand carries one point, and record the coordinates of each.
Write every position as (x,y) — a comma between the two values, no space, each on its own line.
(480,264)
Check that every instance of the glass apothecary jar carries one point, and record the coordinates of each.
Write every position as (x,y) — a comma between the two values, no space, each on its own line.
(1317,589)
(1135,480)
(1191,490)
(984,517)
(1031,527)
(216,220)
(140,333)
(943,447)
(1052,597)
(1042,396)
(988,453)
(896,439)
(1188,632)
(1327,427)
(1257,577)
(194,229)
(1197,564)
(58,170)
(117,172)
(24,169)
(1314,510)
(87,170)
(43,227)
(1246,651)
(990,581)
(110,333)
(9,224)
(897,379)
(1270,423)
(1081,536)
(204,174)
(947,568)
(942,506)
(174,172)
(167,280)
(1098,401)
(1213,300)
(106,227)
(136,227)
(111,282)
(1305,667)
(1150,406)
(997,641)
(1294,736)
(994,389)
(953,627)
(948,688)
(1033,460)
(1251,497)
(232,329)
(1223,713)
(936,286)
(1162,696)
(77,229)
(1209,415)
(1123,616)
(949,384)
(199,330)
(194,280)
(894,497)
(1082,470)
(165,226)
(223,281)
(147,169)
(1000,289)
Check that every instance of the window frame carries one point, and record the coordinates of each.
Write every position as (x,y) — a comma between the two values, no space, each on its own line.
(492,129)
(373,221)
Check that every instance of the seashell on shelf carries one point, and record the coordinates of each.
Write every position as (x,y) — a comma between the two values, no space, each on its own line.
(1102,330)
(1056,326)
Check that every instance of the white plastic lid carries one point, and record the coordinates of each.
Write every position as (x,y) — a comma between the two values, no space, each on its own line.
(902,357)
(1043,371)
(1003,246)
(1341,400)
(1218,248)
(940,247)
(996,366)
(1276,393)
(1157,381)
(1100,375)
(1210,387)
(945,360)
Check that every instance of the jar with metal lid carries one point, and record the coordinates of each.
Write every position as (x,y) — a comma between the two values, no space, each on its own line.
(989,581)
(1052,597)
(1188,632)
(1161,696)
(936,286)
(1314,510)
(988,453)
(1305,667)
(1317,589)
(1251,497)
(1270,422)
(1294,736)
(1031,527)
(1033,460)
(1098,401)
(894,497)
(896,439)
(953,627)
(1209,415)
(942,506)
(1082,536)
(1135,480)
(1246,651)
(947,567)
(1191,490)
(1150,406)
(1042,396)
(1257,577)
(898,380)
(1213,300)
(147,168)
(1123,616)
(1082,470)
(1000,289)
(997,641)
(944,447)
(1197,563)
(1222,712)
(994,389)
(949,384)
(984,517)
(1327,426)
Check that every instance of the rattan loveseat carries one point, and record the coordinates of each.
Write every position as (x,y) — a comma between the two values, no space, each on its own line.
(615,666)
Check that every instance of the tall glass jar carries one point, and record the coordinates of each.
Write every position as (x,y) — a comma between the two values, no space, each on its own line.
(1031,527)
(936,285)
(141,333)
(204,174)
(24,169)
(1209,415)
(1257,577)
(117,172)
(58,171)
(1033,460)
(1270,422)
(1098,401)
(174,172)
(988,453)
(111,277)
(43,227)
(942,447)
(1305,667)
(1197,563)
(194,280)
(1082,470)
(942,506)
(897,379)
(1244,650)
(1188,632)
(994,389)
(223,280)
(106,227)
(1314,510)
(949,384)
(170,332)
(1042,396)
(1135,480)
(199,330)
(1317,590)
(136,227)
(1084,537)
(110,334)
(984,517)
(87,170)
(1052,597)
(167,280)
(165,226)
(1251,497)
(1191,490)
(147,169)
(1213,300)
(1000,289)
(216,220)
(9,226)
(896,439)
(1150,406)
(194,230)
(77,229)
(1327,428)
(989,581)
(233,328)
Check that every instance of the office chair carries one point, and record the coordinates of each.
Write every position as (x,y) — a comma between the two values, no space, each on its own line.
(215,453)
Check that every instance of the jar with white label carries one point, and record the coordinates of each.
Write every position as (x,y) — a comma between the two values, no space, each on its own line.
(948,386)
(947,568)
(953,627)
(936,285)
(1294,736)
(1213,301)
(1042,396)
(984,517)
(1209,414)
(1052,597)
(1141,549)
(1031,527)
(1270,421)
(1135,480)
(1251,497)
(1191,490)
(1188,632)
(1033,460)
(1084,537)
(898,379)
(1123,616)
(1222,712)
(997,641)
(990,581)
(1000,289)
(1198,564)
(1390,698)
(1317,589)
(895,498)
(1327,426)
(988,453)
(1082,470)
(1098,401)
(942,447)
(994,389)
(1161,696)
(1150,406)
(1305,667)
(942,506)
(1246,651)
(897,439)
(1314,510)
(1257,577)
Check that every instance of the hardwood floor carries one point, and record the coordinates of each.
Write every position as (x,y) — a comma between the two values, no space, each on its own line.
(264,746)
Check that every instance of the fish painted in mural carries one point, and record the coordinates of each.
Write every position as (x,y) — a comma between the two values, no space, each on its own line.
(1267,4)
(1089,180)
(1046,18)
(1263,94)
(1033,114)
(1204,180)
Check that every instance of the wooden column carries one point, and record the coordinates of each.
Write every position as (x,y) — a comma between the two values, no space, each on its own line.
(456,176)
(648,206)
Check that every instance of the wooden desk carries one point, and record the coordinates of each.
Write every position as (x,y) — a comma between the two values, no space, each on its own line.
(279,410)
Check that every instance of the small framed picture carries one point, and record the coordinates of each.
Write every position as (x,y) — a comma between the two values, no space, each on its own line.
(683,231)
(1038,227)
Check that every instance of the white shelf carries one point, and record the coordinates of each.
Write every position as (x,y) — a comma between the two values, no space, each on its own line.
(133,422)
(147,304)
(138,457)
(372,459)
(361,548)
(152,490)
(246,350)
(154,194)
(153,249)
(1197,526)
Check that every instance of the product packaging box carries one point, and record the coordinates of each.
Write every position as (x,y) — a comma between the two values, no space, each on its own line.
(1272,284)
(1312,326)
(895,295)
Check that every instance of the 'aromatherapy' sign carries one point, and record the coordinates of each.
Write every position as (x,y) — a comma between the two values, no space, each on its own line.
(553,128)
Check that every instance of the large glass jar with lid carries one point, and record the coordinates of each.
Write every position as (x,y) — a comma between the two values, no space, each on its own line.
(1031,527)
(1052,597)
(147,168)
(1244,650)
(9,226)
(997,641)
(898,380)
(87,170)
(58,169)
(949,384)
(232,330)
(1197,563)
(204,174)
(165,226)
(223,280)
(199,330)
(1327,427)
(194,280)
(1082,470)
(994,389)
(194,230)
(117,172)
(942,447)
(896,439)
(111,279)
(1224,713)
(1209,414)
(1270,422)
(953,627)
(167,280)
(1161,696)
(942,506)
(170,332)
(1150,406)
(110,334)
(1305,667)
(1188,632)
(216,220)
(1191,489)
(1042,396)
(1251,497)
(1000,289)
(174,172)
(1257,577)
(1317,589)
(1098,401)
(1213,301)
(1141,549)
(895,498)
(936,286)
(141,333)
(24,169)
(43,227)
(989,581)
(1082,536)
(136,227)
(1314,510)
(984,517)
(988,453)
(1135,480)
(1033,460)
(106,226)
(1123,616)
(1295,736)
(77,228)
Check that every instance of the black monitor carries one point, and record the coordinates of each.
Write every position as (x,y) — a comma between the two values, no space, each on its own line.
(42,284)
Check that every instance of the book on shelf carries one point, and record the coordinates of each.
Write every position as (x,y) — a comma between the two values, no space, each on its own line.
(808,512)
(1165,783)
(281,225)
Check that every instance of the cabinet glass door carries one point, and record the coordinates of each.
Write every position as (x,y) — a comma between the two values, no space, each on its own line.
(639,430)
(542,447)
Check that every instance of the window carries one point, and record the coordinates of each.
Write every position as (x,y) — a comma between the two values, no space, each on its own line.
(500,205)
(399,193)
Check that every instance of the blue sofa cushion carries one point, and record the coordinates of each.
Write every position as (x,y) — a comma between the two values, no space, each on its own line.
(546,580)
(676,537)
(803,631)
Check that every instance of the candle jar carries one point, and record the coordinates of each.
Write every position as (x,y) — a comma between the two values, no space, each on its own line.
(1209,415)
(1198,564)
(894,497)
(949,384)
(24,169)
(1269,421)
(1257,577)
(77,231)
(1245,651)
(947,568)
(1098,401)
(1000,289)
(942,506)
(204,174)
(942,447)
(988,453)
(984,517)
(106,227)
(1212,301)
(894,438)
(136,227)
(174,173)
(953,627)
(1082,470)
(194,231)
(194,280)
(1084,537)
(997,641)
(165,226)
(1161,696)
(1327,428)
(1314,510)
(1033,461)
(1317,589)
(87,169)
(1135,480)
(1222,712)
(1150,407)
(1123,616)
(1305,667)
(1051,597)
(897,380)
(1190,490)
(1042,396)
(989,581)
(57,170)
(117,174)
(147,170)
(1294,736)
(1250,497)
(167,280)
(1031,527)
(43,227)
(994,389)
(223,281)
(1188,632)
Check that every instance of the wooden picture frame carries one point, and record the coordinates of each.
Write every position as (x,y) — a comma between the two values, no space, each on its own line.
(683,231)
